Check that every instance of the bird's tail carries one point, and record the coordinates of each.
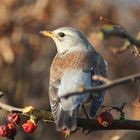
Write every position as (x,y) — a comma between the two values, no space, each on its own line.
(66,120)
(96,104)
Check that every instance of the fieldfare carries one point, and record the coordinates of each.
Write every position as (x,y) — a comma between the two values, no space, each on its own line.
(74,65)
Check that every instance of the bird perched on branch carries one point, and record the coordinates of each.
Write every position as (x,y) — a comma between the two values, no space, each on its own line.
(75,64)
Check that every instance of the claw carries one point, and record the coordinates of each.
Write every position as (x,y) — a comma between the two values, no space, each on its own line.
(67,133)
(28,109)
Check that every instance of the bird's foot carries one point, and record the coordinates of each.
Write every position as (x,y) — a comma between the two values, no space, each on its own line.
(28,110)
(69,132)
(85,112)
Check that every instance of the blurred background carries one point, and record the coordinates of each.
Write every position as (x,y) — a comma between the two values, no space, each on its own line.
(26,56)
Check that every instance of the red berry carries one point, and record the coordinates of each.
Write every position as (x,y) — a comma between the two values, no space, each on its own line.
(13,118)
(3,131)
(12,130)
(11,126)
(29,126)
(105,119)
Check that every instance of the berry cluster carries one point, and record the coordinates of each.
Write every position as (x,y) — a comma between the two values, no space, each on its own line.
(29,126)
(9,129)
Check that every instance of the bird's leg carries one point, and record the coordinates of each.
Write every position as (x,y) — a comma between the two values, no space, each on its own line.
(68,133)
(84,129)
(87,116)
(85,112)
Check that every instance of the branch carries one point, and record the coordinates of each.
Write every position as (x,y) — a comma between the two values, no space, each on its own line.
(108,85)
(110,29)
(89,124)
(116,124)
(121,33)
(39,114)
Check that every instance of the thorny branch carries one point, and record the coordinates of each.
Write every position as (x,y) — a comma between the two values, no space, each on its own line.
(88,124)
(121,33)
(39,114)
(107,85)
(110,29)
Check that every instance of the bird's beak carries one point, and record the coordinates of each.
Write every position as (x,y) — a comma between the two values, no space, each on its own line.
(48,34)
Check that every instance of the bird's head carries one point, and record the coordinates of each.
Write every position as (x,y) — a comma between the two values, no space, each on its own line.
(68,39)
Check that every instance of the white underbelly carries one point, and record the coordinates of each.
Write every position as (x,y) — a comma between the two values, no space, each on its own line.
(71,82)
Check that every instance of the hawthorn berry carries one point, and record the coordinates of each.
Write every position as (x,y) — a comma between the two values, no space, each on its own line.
(105,119)
(11,126)
(12,131)
(29,126)
(3,131)
(13,118)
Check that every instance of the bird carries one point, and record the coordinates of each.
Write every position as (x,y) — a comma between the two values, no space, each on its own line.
(75,63)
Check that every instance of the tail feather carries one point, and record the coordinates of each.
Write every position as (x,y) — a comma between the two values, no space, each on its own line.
(66,120)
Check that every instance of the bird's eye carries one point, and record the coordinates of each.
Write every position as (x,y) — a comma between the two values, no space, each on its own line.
(61,34)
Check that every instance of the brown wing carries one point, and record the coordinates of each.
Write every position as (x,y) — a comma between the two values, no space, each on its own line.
(62,118)
(55,79)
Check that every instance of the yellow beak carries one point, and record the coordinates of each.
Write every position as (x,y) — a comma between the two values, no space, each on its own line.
(48,34)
